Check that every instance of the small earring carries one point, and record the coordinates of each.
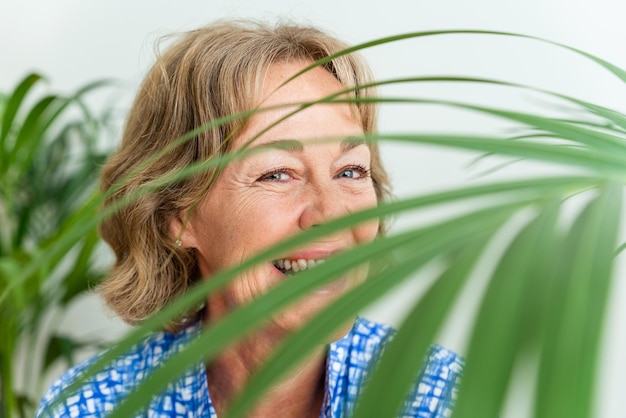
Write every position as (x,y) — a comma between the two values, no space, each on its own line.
(179,243)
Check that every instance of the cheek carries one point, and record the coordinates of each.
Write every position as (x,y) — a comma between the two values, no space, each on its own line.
(264,221)
(366,231)
(221,227)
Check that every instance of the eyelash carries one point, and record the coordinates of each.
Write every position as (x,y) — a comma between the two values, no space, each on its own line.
(264,176)
(364,171)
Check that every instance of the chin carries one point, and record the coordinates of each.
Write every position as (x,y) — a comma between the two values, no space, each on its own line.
(298,315)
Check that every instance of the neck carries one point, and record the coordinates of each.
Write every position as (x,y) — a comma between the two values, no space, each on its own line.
(298,394)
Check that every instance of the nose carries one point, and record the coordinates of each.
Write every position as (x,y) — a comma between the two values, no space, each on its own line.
(322,204)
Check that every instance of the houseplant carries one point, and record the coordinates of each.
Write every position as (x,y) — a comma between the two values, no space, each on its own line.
(551,278)
(50,150)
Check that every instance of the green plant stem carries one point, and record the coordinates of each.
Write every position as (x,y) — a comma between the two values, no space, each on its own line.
(9,404)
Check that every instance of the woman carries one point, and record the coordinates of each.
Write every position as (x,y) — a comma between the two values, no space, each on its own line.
(166,241)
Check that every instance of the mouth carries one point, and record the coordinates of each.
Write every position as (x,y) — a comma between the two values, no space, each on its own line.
(290,267)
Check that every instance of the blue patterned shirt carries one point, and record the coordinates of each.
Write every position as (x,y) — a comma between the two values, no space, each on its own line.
(348,362)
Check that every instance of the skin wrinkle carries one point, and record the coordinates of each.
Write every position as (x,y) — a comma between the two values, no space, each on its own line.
(266,197)
(210,72)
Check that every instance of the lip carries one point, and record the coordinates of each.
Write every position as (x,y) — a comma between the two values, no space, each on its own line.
(318,253)
(295,266)
(312,254)
(328,289)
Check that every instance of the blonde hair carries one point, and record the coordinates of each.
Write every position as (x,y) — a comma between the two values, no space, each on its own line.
(208,73)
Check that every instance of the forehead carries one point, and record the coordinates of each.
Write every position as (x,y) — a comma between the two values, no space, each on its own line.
(280,116)
(282,79)
(294,145)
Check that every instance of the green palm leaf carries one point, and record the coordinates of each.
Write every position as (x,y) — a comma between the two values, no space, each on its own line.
(237,324)
(577,303)
(428,244)
(497,339)
(532,302)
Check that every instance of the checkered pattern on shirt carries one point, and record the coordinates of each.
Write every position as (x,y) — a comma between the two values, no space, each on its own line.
(348,362)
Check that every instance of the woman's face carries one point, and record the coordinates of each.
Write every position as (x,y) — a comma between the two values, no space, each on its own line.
(277,193)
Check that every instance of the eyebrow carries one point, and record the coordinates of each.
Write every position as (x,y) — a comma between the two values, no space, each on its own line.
(293,145)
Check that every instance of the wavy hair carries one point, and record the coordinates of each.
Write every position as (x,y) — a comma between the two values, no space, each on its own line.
(206,74)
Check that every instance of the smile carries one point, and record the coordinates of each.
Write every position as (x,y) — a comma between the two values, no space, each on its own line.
(293,266)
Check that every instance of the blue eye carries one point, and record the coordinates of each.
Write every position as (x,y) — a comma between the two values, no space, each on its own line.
(354,172)
(350,174)
(277,175)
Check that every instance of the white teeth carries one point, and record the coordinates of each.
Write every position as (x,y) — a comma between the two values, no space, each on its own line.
(294,266)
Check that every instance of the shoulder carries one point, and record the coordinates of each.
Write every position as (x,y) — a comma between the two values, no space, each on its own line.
(362,344)
(436,386)
(370,335)
(101,391)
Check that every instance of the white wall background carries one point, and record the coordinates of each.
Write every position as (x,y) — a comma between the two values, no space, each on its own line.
(73,42)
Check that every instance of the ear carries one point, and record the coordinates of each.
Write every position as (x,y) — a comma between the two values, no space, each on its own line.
(182,230)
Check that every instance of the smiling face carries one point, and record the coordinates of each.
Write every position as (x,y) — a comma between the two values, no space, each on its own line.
(281,191)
